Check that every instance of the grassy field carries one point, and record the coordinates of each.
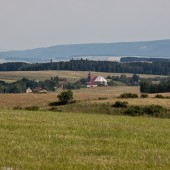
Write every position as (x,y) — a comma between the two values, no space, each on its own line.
(70,75)
(72,139)
(51,140)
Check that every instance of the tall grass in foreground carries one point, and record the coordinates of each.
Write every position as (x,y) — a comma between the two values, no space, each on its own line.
(51,140)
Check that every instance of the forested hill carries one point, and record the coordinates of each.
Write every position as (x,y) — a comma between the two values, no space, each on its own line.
(157,68)
(159,48)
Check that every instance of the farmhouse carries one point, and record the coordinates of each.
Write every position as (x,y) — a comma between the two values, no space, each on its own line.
(28,90)
(62,83)
(96,81)
(39,90)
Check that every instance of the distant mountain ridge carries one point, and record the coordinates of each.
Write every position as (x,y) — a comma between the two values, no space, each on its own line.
(158,48)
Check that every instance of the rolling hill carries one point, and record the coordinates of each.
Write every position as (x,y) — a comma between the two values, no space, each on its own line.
(159,48)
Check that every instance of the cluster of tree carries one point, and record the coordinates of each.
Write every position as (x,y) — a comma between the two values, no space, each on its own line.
(77,85)
(134,80)
(146,86)
(20,86)
(65,97)
(143,59)
(157,68)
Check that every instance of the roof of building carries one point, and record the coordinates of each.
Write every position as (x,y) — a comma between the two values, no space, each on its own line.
(93,79)
(91,83)
(62,82)
(100,79)
(96,79)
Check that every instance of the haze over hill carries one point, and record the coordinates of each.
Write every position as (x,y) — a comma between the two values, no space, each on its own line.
(101,51)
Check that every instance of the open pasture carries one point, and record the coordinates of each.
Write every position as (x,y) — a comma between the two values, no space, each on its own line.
(51,140)
(70,75)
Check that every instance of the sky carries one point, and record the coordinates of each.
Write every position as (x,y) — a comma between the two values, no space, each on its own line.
(26,24)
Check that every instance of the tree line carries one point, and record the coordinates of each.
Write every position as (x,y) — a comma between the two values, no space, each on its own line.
(143,59)
(20,86)
(156,68)
(147,86)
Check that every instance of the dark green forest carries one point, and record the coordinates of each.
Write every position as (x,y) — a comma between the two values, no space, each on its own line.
(143,59)
(156,68)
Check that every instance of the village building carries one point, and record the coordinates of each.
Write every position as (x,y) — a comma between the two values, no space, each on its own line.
(39,90)
(96,81)
(62,83)
(28,90)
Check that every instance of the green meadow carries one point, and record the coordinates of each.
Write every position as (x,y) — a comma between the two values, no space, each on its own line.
(44,140)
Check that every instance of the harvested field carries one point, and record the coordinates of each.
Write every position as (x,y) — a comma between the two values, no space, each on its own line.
(42,100)
(70,75)
(85,94)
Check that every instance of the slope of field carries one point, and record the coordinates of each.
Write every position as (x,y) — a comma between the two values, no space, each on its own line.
(69,75)
(42,100)
(51,140)
(85,95)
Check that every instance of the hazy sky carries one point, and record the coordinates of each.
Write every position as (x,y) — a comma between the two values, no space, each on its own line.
(39,23)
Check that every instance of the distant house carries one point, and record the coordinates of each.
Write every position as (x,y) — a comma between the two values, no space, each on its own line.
(28,90)
(62,83)
(91,84)
(96,81)
(39,90)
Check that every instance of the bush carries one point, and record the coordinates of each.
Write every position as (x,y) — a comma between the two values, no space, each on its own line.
(102,98)
(128,95)
(151,110)
(111,83)
(144,96)
(65,96)
(120,104)
(159,96)
(17,108)
(32,108)
(162,97)
(108,77)
(134,111)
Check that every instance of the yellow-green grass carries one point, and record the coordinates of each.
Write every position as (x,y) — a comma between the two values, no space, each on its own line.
(51,140)
(70,75)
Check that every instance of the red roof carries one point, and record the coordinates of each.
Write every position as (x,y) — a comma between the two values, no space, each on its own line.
(38,89)
(62,82)
(91,83)
(93,79)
